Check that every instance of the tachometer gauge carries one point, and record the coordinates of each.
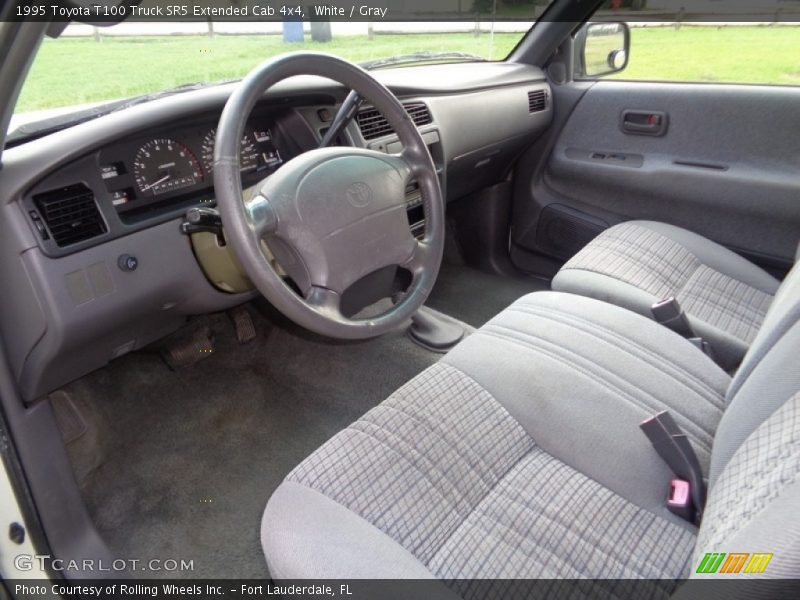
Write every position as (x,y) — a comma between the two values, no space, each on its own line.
(248,153)
(164,165)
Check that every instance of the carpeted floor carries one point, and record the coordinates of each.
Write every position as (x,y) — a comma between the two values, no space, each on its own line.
(179,464)
(474,296)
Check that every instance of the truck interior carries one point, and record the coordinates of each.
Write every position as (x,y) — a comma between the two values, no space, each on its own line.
(415,320)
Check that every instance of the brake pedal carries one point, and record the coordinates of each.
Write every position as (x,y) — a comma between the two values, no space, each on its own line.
(243,322)
(189,349)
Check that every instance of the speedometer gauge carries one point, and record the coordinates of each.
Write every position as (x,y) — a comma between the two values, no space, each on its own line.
(164,165)
(248,152)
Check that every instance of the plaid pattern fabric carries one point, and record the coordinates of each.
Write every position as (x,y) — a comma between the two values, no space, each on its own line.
(547,520)
(662,267)
(443,469)
(767,463)
(638,256)
(725,303)
(416,465)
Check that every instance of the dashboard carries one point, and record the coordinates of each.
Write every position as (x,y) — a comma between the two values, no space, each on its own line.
(95,261)
(153,174)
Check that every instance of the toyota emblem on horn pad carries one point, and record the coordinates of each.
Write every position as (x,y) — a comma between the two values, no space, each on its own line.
(359,194)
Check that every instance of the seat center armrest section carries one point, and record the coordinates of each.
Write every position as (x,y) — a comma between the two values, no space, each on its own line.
(580,375)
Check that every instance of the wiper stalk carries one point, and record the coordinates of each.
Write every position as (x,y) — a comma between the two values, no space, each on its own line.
(343,117)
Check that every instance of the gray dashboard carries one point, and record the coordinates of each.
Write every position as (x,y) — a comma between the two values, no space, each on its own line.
(69,307)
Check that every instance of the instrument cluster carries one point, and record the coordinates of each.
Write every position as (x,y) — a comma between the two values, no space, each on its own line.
(178,164)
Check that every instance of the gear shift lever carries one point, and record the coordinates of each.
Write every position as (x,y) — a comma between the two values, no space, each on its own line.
(434,331)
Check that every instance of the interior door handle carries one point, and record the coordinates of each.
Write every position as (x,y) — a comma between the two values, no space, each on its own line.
(644,122)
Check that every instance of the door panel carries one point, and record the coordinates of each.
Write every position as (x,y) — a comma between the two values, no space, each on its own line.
(720,160)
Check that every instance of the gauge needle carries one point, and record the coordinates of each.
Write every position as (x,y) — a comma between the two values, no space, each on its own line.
(162,180)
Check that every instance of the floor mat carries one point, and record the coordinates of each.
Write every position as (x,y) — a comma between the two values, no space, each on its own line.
(179,464)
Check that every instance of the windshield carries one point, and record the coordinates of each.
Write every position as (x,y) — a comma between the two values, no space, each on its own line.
(89,65)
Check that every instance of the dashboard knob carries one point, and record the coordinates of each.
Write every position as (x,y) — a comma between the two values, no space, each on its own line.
(127,262)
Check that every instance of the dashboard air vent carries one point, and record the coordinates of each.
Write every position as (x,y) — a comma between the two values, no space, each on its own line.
(537,101)
(374,125)
(71,214)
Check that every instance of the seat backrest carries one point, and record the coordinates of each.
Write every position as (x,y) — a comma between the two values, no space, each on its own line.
(754,481)
(783,313)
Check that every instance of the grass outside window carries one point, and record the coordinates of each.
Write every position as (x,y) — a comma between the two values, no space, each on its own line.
(72,71)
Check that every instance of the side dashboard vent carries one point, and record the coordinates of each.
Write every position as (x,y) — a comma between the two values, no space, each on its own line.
(537,101)
(374,125)
(71,214)
(419,114)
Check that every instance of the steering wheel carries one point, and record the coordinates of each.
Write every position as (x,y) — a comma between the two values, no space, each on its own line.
(330,216)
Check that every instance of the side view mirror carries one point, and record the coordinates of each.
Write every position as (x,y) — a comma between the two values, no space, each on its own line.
(602,49)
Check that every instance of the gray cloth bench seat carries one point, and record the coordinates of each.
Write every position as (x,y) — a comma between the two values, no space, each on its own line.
(638,263)
(519,455)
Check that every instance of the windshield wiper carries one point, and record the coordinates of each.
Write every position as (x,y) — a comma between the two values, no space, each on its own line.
(56,123)
(421,57)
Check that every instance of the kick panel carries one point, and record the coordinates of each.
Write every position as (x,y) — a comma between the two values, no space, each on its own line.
(563,231)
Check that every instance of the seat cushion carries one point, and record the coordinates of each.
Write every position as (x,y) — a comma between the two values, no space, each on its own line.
(638,263)
(448,478)
(445,472)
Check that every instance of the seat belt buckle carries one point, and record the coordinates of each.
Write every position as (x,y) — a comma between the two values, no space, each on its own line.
(704,347)
(679,499)
(674,448)
(668,312)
